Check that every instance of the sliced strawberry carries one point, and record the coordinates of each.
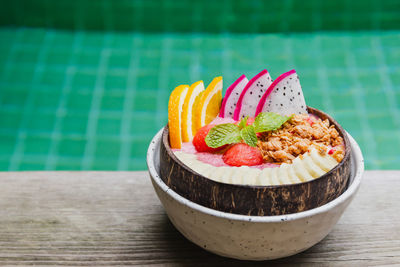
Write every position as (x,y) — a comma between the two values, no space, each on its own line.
(199,140)
(242,154)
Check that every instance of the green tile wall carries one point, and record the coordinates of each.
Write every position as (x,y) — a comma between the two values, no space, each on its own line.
(84,85)
(92,101)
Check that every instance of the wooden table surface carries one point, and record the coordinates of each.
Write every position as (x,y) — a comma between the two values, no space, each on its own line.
(115,218)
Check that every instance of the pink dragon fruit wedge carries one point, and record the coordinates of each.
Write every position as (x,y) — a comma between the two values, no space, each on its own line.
(251,95)
(232,95)
(284,96)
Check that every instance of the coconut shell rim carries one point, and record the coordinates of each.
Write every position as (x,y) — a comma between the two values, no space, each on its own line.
(342,133)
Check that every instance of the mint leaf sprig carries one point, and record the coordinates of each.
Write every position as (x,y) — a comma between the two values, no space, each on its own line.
(230,133)
(269,121)
(223,134)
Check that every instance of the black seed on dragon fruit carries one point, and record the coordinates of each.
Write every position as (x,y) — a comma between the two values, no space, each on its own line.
(232,96)
(285,103)
(251,95)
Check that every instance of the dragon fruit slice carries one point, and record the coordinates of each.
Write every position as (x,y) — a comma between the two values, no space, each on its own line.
(251,95)
(231,97)
(284,96)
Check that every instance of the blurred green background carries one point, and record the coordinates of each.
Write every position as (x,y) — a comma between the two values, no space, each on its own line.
(84,85)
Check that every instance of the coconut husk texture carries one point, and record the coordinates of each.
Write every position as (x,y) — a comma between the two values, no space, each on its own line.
(255,200)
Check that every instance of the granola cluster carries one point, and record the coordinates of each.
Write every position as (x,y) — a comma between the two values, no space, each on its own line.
(296,137)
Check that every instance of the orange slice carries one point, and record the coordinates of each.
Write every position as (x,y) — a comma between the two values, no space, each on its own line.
(175,106)
(192,99)
(210,103)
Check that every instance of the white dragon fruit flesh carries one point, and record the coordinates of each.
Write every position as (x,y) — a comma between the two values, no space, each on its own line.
(231,98)
(251,95)
(284,96)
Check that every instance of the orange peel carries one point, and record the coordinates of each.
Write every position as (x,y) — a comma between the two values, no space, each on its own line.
(210,103)
(175,106)
(192,99)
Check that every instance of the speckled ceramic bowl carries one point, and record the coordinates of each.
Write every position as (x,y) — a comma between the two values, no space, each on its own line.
(252,237)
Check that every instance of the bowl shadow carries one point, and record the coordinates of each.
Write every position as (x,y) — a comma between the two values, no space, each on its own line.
(181,252)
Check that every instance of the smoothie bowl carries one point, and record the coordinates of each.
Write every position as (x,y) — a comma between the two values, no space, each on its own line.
(261,153)
(252,237)
(255,175)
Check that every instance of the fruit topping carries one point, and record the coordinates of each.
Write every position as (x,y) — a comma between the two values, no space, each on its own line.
(247,130)
(242,154)
(199,140)
(251,95)
(210,103)
(192,99)
(231,97)
(284,96)
(175,106)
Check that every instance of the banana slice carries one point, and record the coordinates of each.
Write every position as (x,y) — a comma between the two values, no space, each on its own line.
(204,169)
(186,158)
(248,175)
(253,174)
(283,174)
(216,174)
(264,176)
(300,171)
(225,173)
(294,179)
(311,167)
(274,176)
(303,168)
(326,162)
(237,176)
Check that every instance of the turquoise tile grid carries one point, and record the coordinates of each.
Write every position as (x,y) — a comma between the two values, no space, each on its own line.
(92,101)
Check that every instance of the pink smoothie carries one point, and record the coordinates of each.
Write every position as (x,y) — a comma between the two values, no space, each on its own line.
(215,159)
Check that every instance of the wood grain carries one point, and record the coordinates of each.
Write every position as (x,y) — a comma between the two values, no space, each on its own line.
(115,218)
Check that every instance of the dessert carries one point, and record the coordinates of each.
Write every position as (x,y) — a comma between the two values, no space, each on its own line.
(258,151)
(261,134)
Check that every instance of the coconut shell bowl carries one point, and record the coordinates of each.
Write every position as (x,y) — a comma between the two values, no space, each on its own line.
(255,200)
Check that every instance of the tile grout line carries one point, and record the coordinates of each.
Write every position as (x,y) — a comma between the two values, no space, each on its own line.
(44,134)
(387,82)
(39,158)
(132,86)
(258,56)
(361,109)
(195,42)
(226,61)
(323,80)
(105,114)
(17,154)
(51,160)
(117,71)
(163,80)
(91,129)
(195,59)
(10,56)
